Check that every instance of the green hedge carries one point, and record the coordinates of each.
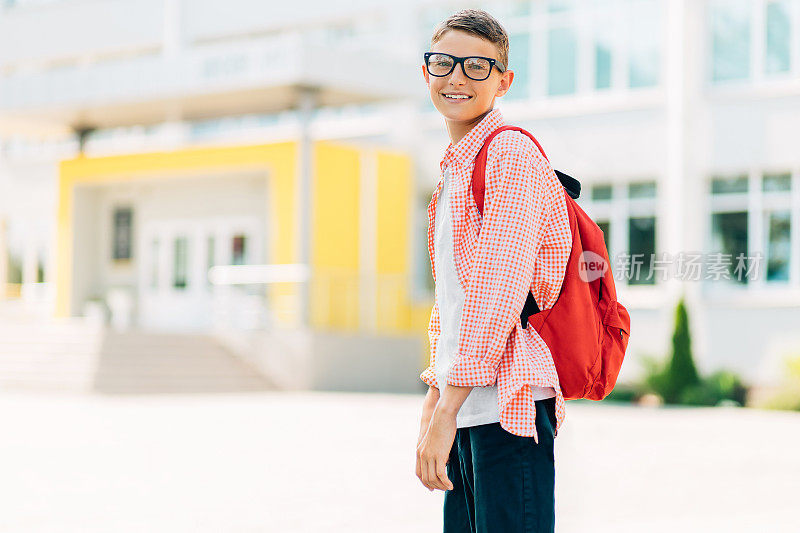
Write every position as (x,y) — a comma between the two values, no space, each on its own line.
(677,381)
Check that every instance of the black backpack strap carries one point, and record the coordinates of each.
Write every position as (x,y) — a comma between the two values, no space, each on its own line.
(572,185)
(530,308)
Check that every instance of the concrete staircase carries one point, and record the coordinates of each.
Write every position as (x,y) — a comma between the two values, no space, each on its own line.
(74,355)
(138,362)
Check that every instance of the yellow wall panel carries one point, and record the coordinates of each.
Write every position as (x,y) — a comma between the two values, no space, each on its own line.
(395,189)
(335,236)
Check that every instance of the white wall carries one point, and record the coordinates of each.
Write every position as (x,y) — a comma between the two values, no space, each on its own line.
(74,29)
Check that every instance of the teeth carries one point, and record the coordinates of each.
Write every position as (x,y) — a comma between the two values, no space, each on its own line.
(456,96)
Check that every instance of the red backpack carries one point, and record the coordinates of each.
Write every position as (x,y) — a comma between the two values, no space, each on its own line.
(587,329)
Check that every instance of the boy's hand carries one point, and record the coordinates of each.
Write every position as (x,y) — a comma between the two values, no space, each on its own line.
(434,449)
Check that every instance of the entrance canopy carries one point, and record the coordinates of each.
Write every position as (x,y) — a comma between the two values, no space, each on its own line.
(218,80)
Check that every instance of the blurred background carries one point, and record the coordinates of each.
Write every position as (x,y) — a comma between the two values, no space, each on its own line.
(202,197)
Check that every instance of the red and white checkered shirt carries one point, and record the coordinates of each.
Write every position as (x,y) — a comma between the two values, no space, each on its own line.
(520,245)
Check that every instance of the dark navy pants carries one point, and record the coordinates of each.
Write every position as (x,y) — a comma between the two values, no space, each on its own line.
(502,483)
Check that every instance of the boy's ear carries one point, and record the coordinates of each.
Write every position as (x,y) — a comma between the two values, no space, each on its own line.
(505,82)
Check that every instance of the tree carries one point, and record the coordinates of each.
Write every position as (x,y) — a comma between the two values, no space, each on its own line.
(681,373)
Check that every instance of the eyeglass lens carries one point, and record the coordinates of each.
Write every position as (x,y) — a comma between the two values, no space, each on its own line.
(475,67)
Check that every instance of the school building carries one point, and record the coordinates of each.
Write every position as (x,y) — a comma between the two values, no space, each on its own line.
(143,144)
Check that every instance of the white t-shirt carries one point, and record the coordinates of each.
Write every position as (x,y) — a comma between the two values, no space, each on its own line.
(481,406)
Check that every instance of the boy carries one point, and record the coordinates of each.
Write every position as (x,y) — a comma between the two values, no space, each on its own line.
(494,404)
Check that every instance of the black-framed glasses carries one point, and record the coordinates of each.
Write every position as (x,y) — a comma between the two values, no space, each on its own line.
(474,67)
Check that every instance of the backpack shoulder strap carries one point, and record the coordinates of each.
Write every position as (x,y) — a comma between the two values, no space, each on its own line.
(478,187)
(479,171)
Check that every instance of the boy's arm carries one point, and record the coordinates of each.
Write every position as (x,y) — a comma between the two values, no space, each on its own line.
(428,407)
(520,191)
(451,399)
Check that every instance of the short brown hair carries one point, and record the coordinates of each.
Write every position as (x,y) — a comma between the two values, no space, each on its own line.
(478,23)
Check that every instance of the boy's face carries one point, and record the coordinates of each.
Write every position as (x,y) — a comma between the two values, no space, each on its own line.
(466,112)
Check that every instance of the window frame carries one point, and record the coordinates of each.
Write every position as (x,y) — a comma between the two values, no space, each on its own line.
(758,77)
(757,204)
(617,211)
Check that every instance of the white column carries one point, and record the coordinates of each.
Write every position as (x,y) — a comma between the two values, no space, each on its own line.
(685,212)
(307,101)
(172,36)
(755,231)
(673,200)
(173,132)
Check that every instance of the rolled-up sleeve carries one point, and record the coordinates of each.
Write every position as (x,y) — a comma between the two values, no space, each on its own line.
(520,191)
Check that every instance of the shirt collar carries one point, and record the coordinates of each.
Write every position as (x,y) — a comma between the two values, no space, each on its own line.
(465,150)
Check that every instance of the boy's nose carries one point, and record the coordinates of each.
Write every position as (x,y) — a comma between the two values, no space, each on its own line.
(458,74)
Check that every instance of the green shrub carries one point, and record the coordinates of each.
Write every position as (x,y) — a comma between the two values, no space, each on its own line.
(655,376)
(624,392)
(681,373)
(677,380)
(728,385)
(721,386)
(670,379)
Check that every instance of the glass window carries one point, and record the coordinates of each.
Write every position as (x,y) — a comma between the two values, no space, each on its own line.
(602,64)
(123,227)
(154,252)
(604,18)
(778,238)
(642,189)
(636,257)
(777,182)
(642,243)
(601,192)
(561,61)
(210,256)
(518,58)
(729,236)
(14,273)
(181,266)
(503,10)
(239,256)
(730,35)
(736,184)
(778,37)
(559,6)
(643,45)
(605,225)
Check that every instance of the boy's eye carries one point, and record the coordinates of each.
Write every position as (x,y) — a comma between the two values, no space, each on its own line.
(477,65)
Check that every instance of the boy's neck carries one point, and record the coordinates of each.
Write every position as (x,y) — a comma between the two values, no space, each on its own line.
(457,129)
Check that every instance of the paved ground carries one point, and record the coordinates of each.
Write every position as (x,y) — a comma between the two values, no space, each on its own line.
(327,462)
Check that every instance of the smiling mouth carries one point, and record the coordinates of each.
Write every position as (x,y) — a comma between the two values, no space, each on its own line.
(461,99)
